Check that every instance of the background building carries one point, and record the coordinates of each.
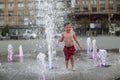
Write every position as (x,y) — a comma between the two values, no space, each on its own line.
(81,13)
(15,12)
(93,11)
(20,15)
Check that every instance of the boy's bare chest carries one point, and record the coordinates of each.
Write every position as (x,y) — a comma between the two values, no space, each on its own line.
(68,36)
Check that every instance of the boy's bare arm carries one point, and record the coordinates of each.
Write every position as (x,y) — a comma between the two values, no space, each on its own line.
(61,38)
(75,38)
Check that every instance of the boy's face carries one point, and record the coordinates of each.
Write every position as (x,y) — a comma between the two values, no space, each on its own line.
(68,28)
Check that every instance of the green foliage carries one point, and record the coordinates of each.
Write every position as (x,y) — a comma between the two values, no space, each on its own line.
(5,30)
(117,24)
(85,21)
(117,33)
(104,24)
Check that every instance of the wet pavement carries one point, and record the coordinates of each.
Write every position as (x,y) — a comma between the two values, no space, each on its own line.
(27,68)
(30,46)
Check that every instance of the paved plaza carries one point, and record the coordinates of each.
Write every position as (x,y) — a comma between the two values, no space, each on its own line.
(27,68)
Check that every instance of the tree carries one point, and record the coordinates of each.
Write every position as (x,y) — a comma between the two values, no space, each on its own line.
(85,24)
(5,30)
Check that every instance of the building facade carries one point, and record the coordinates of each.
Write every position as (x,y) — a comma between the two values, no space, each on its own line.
(22,12)
(15,12)
(93,9)
(100,12)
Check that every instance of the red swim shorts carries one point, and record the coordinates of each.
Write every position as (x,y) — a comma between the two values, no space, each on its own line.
(68,51)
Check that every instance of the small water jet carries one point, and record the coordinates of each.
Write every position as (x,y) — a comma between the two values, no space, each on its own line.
(10,53)
(94,49)
(20,51)
(42,63)
(119,55)
(89,46)
(102,54)
(119,51)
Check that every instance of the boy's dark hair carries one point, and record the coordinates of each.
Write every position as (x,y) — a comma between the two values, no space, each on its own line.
(66,24)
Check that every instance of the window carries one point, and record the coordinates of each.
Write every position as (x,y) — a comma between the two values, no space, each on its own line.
(21,12)
(21,20)
(30,4)
(102,9)
(111,5)
(94,2)
(10,5)
(85,3)
(85,9)
(2,21)
(102,5)
(102,1)
(118,6)
(10,13)
(11,20)
(94,8)
(2,5)
(20,4)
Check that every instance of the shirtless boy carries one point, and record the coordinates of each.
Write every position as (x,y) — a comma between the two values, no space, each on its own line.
(68,37)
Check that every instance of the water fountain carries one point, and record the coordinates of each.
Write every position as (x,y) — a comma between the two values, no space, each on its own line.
(20,51)
(119,51)
(41,60)
(46,16)
(10,53)
(102,54)
(89,46)
(119,55)
(94,50)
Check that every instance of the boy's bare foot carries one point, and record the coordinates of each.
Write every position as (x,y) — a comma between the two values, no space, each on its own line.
(73,69)
(66,70)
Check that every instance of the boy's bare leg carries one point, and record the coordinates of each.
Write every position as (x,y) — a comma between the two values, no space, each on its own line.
(72,62)
(66,62)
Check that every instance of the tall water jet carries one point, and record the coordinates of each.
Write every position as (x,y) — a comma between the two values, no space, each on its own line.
(46,17)
(10,53)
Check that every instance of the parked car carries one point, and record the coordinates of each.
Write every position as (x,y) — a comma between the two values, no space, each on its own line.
(29,36)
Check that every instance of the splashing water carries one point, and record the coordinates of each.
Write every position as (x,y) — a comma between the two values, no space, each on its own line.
(46,17)
(102,54)
(20,51)
(10,53)
(89,46)
(42,63)
(119,55)
(94,51)
(119,51)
